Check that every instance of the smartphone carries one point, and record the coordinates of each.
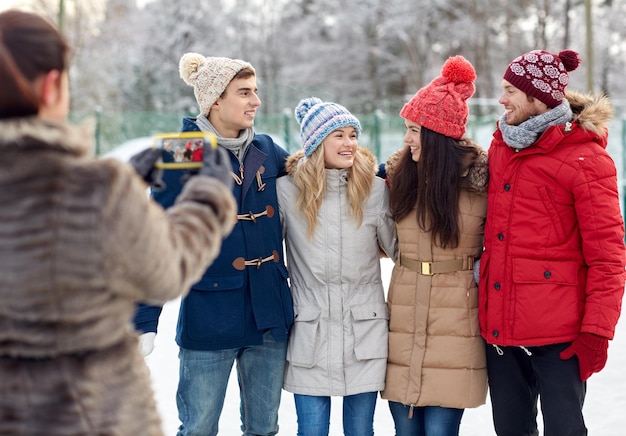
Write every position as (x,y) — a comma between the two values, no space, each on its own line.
(182,150)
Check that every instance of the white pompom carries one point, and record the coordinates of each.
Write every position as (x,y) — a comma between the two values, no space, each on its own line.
(189,65)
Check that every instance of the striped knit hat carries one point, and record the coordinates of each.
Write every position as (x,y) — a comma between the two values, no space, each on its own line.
(319,119)
(542,75)
(209,76)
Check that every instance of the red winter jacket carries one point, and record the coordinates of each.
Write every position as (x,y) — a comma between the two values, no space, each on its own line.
(553,264)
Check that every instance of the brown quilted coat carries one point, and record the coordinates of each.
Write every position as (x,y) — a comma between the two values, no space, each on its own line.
(436,353)
(80,244)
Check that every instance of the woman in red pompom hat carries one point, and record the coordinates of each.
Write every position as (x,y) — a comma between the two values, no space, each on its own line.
(436,365)
(552,273)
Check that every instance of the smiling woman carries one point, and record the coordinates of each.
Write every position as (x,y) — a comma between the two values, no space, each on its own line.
(332,208)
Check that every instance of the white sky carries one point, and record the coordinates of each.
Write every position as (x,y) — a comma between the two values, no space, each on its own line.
(7,4)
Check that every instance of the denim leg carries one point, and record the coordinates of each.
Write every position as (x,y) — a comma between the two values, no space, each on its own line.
(201,389)
(405,426)
(425,421)
(442,421)
(313,414)
(260,371)
(358,414)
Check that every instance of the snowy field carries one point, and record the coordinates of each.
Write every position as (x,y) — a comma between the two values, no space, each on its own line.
(604,410)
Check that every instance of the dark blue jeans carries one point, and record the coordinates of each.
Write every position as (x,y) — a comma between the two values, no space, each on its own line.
(314,414)
(204,378)
(517,380)
(426,421)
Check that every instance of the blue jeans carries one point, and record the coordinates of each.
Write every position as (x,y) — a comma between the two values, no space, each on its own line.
(204,377)
(314,414)
(426,421)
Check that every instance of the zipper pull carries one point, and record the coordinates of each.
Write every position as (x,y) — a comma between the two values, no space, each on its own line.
(411,411)
(241,171)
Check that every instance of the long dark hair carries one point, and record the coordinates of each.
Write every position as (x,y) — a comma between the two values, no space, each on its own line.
(433,185)
(29,47)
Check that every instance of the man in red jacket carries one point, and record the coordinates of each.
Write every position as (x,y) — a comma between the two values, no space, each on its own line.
(552,274)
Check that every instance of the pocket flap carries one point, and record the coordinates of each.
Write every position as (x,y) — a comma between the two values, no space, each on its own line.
(222,282)
(304,314)
(545,271)
(370,311)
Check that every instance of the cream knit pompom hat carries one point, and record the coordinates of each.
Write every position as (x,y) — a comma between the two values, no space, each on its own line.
(209,76)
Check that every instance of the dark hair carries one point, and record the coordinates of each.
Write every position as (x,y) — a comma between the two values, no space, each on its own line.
(433,185)
(29,47)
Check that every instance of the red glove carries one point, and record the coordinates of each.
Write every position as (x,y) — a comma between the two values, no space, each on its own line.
(592,352)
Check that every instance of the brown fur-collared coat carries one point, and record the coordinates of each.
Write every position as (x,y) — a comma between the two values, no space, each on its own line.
(436,354)
(80,244)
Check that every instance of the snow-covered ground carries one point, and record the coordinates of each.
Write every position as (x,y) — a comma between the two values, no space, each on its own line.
(604,407)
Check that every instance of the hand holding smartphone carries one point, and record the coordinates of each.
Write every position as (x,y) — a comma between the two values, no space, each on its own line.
(182,150)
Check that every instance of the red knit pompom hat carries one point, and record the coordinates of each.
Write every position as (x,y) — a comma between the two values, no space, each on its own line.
(542,75)
(441,106)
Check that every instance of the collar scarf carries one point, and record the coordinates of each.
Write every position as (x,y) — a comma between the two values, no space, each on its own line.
(237,145)
(525,134)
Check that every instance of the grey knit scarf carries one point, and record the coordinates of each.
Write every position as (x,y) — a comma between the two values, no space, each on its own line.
(237,145)
(525,134)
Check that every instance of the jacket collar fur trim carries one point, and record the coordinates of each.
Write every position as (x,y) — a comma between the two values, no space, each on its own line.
(592,112)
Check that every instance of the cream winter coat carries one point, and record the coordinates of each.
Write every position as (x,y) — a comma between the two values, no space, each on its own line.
(80,245)
(436,354)
(338,343)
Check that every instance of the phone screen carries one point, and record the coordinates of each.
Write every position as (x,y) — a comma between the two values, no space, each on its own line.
(183,150)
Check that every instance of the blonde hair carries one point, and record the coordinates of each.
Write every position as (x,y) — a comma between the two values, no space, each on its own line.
(310,179)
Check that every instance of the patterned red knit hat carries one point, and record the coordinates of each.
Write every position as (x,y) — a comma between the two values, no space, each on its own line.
(441,106)
(543,75)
